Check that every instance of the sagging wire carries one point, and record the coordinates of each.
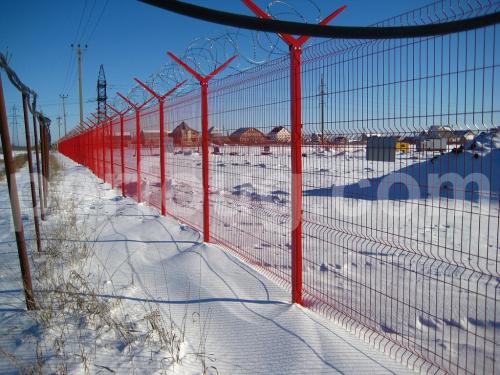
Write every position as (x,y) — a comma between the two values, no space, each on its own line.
(24,89)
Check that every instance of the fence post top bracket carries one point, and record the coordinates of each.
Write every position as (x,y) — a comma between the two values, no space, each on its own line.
(203,80)
(293,42)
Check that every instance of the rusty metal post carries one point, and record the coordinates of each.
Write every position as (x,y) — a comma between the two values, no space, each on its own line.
(30,168)
(14,204)
(38,170)
(45,163)
(45,158)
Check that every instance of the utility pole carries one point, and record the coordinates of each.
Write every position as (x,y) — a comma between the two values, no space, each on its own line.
(79,52)
(63,98)
(59,126)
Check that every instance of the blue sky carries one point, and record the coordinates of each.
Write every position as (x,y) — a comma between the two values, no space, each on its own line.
(130,38)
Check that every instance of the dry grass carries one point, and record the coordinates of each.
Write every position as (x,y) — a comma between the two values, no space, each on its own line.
(19,161)
(55,166)
(80,310)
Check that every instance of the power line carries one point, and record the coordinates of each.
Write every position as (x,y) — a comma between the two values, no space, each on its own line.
(97,23)
(69,69)
(80,22)
(84,30)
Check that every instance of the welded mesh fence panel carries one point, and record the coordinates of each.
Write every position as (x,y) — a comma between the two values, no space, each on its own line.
(150,156)
(116,146)
(250,173)
(107,152)
(400,185)
(401,205)
(183,160)
(100,155)
(94,151)
(130,156)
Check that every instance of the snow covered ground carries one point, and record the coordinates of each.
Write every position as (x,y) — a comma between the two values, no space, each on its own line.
(132,278)
(419,264)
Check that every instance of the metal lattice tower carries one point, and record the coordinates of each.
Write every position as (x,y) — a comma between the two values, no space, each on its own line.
(101,94)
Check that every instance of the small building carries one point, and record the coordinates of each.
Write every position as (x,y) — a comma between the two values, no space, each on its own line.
(150,138)
(340,141)
(127,138)
(183,135)
(216,136)
(248,136)
(432,144)
(365,136)
(453,137)
(461,137)
(280,134)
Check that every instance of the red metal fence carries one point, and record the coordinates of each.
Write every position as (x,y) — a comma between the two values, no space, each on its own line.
(404,251)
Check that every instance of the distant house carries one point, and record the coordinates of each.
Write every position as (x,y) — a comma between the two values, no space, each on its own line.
(446,132)
(214,132)
(216,136)
(365,136)
(248,136)
(150,138)
(279,134)
(462,136)
(127,138)
(183,135)
(340,140)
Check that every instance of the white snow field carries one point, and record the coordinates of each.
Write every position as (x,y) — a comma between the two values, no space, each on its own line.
(142,270)
(420,270)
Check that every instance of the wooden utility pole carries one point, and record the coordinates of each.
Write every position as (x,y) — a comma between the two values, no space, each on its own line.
(79,53)
(63,98)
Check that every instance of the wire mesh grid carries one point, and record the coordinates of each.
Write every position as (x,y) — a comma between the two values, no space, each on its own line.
(183,161)
(400,209)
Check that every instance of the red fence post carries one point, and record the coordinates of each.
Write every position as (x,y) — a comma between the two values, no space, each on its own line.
(95,147)
(137,109)
(295,45)
(163,180)
(204,134)
(296,163)
(161,101)
(205,163)
(138,153)
(111,153)
(122,146)
(101,129)
(122,154)
(108,124)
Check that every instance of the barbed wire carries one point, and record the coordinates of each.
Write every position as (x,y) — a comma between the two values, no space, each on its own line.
(23,89)
(204,54)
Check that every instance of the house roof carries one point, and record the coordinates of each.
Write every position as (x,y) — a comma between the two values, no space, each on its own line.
(213,130)
(183,127)
(277,129)
(242,131)
(461,133)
